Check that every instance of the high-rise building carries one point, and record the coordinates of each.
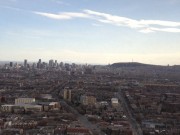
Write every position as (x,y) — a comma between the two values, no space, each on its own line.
(11,64)
(51,63)
(55,63)
(61,64)
(39,61)
(34,65)
(67,95)
(25,63)
(39,64)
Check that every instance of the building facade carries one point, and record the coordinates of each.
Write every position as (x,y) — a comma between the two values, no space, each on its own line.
(24,101)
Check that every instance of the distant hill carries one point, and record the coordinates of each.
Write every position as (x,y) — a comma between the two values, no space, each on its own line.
(130,64)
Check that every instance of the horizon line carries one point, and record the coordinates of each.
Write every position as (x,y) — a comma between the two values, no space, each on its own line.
(84,63)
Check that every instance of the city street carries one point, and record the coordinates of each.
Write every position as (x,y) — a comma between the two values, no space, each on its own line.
(135,126)
(83,119)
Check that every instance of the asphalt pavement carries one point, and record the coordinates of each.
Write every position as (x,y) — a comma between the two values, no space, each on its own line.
(83,119)
(135,126)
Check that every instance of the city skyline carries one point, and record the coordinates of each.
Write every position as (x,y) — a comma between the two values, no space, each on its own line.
(93,31)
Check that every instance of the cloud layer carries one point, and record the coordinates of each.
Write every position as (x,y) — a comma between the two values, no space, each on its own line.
(144,26)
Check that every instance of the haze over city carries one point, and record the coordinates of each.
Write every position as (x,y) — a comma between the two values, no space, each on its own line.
(91,31)
(89,67)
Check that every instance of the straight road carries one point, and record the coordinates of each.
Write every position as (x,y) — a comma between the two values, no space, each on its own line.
(83,119)
(136,128)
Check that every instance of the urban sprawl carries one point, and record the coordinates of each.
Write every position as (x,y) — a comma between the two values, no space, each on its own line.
(56,98)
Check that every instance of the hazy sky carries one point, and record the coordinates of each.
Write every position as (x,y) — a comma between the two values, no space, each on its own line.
(91,31)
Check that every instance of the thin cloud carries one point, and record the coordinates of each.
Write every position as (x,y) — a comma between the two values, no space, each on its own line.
(153,29)
(116,20)
(145,26)
(64,15)
(175,30)
(101,17)
(11,8)
(159,22)
(146,30)
(54,16)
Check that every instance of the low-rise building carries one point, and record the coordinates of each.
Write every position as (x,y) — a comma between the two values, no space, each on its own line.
(114,102)
(24,100)
(7,108)
(87,100)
